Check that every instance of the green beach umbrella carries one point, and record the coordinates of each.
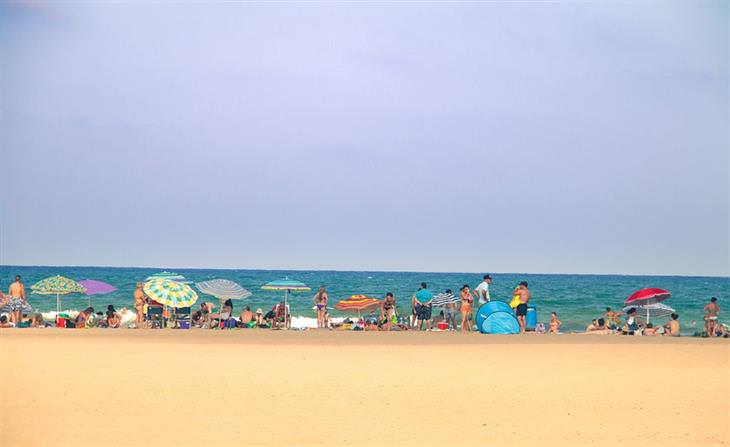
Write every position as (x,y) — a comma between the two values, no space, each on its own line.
(57,285)
(170,293)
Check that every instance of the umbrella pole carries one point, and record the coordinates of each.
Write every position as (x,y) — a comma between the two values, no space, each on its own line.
(58,304)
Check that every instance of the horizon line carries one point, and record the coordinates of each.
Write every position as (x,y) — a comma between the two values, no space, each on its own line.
(364,271)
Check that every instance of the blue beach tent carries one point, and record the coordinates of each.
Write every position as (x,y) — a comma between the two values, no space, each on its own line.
(500,323)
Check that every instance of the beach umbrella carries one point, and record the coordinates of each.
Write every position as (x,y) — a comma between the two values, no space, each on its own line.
(287,285)
(223,289)
(442,299)
(654,310)
(170,293)
(94,287)
(26,309)
(647,296)
(358,303)
(57,285)
(169,276)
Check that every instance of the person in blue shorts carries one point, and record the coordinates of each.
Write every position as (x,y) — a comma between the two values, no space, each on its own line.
(423,299)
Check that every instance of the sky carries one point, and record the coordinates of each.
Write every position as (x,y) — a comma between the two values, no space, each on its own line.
(549,137)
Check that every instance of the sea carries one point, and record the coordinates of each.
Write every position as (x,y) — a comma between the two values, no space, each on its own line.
(576,298)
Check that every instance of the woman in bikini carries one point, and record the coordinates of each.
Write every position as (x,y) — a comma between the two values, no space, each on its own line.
(466,301)
(139,302)
(320,301)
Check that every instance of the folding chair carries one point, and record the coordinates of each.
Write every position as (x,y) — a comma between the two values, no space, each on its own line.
(182,318)
(155,318)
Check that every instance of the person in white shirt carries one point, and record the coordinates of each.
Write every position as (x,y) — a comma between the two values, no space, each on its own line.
(481,292)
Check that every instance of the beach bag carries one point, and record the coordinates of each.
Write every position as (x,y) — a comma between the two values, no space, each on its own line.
(540,328)
(515,301)
(230,323)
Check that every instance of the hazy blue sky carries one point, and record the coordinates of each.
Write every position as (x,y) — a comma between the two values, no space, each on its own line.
(525,137)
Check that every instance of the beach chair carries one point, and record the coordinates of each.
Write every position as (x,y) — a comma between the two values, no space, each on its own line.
(155,318)
(183,316)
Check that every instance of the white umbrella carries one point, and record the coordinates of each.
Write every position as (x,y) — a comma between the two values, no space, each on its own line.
(655,310)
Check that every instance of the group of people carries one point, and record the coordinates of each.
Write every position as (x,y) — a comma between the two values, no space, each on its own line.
(420,317)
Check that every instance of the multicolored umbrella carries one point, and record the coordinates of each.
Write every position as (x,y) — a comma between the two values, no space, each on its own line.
(169,276)
(654,310)
(442,299)
(287,285)
(358,303)
(170,293)
(57,285)
(647,296)
(94,287)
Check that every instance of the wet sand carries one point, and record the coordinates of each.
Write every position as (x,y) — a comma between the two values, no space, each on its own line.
(127,387)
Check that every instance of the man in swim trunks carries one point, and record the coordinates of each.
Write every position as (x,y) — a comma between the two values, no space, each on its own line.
(521,309)
(17,299)
(712,313)
(423,300)
(481,292)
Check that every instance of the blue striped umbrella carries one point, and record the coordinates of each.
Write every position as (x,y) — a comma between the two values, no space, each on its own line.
(442,299)
(223,289)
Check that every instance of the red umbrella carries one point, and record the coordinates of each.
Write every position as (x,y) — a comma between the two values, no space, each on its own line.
(647,296)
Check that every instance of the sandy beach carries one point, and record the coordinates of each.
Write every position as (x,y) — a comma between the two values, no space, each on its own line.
(324,388)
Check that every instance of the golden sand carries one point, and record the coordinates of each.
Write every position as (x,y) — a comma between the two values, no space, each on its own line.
(317,388)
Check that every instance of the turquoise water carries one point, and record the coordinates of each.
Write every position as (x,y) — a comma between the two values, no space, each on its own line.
(576,298)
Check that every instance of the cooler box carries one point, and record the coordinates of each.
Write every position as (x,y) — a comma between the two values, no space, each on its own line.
(443,326)
(531,318)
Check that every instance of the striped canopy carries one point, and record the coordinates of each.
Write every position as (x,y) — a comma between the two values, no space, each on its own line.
(286,284)
(654,310)
(358,303)
(442,299)
(170,293)
(168,275)
(57,285)
(223,289)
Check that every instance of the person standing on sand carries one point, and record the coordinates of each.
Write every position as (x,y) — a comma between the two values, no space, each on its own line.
(481,292)
(320,301)
(466,308)
(521,309)
(17,299)
(139,302)
(423,297)
(712,314)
